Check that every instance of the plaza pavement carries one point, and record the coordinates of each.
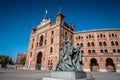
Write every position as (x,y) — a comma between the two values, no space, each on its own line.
(37,75)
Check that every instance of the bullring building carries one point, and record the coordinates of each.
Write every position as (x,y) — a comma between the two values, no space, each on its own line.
(100,48)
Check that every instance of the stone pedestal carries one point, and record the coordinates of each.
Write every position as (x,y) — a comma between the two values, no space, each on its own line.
(62,75)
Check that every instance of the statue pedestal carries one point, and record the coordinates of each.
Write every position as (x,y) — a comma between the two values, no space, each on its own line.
(67,75)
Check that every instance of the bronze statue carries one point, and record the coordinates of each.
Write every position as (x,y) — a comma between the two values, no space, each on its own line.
(70,58)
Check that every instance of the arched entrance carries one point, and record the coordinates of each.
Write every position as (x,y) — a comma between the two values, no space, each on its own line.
(110,66)
(94,65)
(39,61)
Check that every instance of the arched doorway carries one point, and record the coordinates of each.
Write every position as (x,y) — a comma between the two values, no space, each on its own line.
(110,66)
(39,61)
(94,65)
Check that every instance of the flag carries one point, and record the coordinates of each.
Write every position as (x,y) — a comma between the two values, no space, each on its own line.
(46,11)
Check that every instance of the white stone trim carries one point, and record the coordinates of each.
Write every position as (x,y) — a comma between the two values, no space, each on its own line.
(118,70)
(86,70)
(103,70)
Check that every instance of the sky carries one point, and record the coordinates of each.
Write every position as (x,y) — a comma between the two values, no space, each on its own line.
(17,17)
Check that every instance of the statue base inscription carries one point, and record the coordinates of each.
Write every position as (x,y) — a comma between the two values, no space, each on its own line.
(67,75)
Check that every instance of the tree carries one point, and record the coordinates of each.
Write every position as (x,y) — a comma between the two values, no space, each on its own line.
(22,60)
(4,60)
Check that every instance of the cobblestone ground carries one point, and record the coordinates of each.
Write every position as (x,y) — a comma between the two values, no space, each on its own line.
(37,75)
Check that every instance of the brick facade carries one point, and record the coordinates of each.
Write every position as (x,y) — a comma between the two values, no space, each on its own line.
(19,56)
(100,48)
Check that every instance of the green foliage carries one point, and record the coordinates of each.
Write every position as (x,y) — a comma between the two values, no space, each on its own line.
(4,59)
(22,60)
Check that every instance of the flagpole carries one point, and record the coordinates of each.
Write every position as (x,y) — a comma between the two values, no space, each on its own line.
(46,11)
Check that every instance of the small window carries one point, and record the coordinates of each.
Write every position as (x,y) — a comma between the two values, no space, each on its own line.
(112,35)
(118,50)
(93,44)
(109,35)
(77,43)
(101,51)
(79,37)
(89,36)
(115,35)
(93,51)
(76,38)
(92,36)
(100,43)
(51,40)
(112,43)
(81,44)
(45,42)
(104,35)
(114,51)
(89,51)
(51,50)
(82,51)
(52,32)
(104,43)
(106,51)
(30,54)
(116,43)
(88,44)
(65,33)
(32,46)
(100,35)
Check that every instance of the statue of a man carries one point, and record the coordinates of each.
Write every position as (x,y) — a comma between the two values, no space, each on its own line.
(70,58)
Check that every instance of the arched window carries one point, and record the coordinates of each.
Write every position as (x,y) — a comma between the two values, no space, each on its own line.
(82,51)
(77,43)
(79,37)
(104,43)
(100,35)
(116,43)
(106,51)
(101,51)
(93,44)
(33,39)
(76,38)
(65,33)
(100,43)
(37,44)
(89,36)
(109,35)
(114,51)
(92,36)
(51,50)
(93,51)
(112,43)
(89,51)
(45,42)
(81,44)
(32,46)
(118,50)
(115,35)
(88,44)
(41,40)
(30,54)
(52,32)
(104,35)
(112,35)
(51,40)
